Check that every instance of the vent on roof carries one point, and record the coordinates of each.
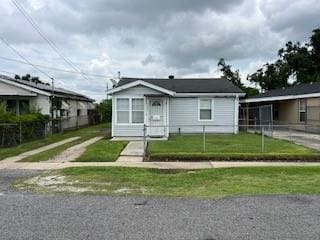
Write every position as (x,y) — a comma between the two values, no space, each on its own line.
(171,76)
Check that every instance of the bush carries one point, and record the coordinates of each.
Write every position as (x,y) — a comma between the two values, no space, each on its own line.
(285,157)
(32,126)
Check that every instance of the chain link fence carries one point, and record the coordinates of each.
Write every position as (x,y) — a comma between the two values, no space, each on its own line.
(18,133)
(293,133)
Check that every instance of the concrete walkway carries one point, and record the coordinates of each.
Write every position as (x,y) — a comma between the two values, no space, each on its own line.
(36,151)
(133,152)
(309,140)
(158,165)
(73,152)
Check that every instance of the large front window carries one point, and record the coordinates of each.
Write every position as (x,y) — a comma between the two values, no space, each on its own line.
(130,110)
(123,110)
(137,110)
(205,109)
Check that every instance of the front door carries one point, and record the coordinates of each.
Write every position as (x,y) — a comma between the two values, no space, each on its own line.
(156,126)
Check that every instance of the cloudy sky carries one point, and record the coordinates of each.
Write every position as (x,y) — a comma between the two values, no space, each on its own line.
(150,38)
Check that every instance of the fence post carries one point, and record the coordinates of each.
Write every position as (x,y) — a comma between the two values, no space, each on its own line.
(20,132)
(255,124)
(144,140)
(290,134)
(262,139)
(204,137)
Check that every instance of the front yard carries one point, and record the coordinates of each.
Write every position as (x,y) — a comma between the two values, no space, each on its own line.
(211,183)
(243,146)
(85,133)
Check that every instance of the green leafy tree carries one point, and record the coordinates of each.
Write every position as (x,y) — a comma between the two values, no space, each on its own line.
(105,110)
(296,61)
(235,78)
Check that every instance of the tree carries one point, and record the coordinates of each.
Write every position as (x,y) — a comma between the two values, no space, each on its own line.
(105,110)
(235,78)
(298,62)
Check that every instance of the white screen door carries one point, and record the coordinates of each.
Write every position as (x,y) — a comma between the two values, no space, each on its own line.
(156,118)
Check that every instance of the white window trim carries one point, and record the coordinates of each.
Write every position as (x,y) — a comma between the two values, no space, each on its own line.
(212,110)
(130,111)
(305,110)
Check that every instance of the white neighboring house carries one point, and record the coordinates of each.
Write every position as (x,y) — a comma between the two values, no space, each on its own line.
(172,105)
(74,109)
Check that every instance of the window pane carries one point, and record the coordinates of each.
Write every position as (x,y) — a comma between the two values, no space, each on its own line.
(137,117)
(123,116)
(123,104)
(205,104)
(24,106)
(137,104)
(12,106)
(302,105)
(302,117)
(205,114)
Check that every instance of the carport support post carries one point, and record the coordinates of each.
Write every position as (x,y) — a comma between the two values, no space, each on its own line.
(204,137)
(262,139)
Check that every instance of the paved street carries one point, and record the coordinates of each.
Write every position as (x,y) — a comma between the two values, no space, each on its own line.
(29,216)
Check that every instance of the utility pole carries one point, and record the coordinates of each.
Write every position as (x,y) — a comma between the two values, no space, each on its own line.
(119,75)
(107,90)
(52,104)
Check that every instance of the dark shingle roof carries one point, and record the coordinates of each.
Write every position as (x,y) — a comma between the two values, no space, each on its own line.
(60,92)
(306,88)
(189,85)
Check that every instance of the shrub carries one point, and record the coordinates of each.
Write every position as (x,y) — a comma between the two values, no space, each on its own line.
(32,126)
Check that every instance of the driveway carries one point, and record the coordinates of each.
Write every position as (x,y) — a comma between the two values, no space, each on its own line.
(310,140)
(30,216)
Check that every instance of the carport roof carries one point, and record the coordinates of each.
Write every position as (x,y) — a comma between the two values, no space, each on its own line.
(305,90)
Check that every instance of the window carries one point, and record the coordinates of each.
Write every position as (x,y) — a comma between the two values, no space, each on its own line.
(12,106)
(302,110)
(24,106)
(123,110)
(205,109)
(130,110)
(137,110)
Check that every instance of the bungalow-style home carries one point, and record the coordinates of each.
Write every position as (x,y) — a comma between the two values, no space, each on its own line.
(172,105)
(292,105)
(72,109)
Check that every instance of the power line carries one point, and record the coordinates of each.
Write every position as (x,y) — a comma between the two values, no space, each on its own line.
(53,68)
(50,43)
(24,58)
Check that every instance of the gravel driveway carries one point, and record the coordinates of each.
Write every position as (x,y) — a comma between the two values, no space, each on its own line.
(29,216)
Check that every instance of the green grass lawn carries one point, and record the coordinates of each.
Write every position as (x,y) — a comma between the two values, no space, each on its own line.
(211,183)
(226,146)
(102,151)
(84,133)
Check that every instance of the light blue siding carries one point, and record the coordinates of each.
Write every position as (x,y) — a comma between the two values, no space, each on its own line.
(183,114)
(129,130)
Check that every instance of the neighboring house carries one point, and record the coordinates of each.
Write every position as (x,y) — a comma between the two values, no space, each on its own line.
(71,109)
(172,105)
(292,105)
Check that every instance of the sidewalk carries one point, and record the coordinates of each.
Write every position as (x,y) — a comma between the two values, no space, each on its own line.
(158,165)
(133,152)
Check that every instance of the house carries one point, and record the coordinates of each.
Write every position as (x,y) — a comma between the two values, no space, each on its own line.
(292,105)
(70,109)
(172,105)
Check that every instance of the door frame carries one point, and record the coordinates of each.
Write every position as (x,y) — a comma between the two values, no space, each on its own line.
(165,109)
